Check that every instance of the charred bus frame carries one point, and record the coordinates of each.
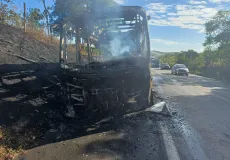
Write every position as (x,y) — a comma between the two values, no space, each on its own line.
(116,82)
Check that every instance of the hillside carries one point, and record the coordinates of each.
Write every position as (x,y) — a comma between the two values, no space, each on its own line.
(159,53)
(13,41)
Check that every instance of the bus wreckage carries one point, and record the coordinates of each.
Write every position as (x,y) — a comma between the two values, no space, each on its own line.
(117,79)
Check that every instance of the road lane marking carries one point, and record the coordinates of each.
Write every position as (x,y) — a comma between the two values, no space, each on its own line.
(193,141)
(221,97)
(169,143)
(170,147)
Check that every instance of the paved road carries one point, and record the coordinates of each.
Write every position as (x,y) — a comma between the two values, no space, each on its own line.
(201,124)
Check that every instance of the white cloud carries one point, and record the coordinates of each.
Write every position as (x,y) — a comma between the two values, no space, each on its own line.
(181,22)
(166,42)
(197,2)
(119,1)
(180,7)
(151,13)
(171,14)
(183,16)
(219,1)
(159,22)
(199,11)
(158,7)
(186,20)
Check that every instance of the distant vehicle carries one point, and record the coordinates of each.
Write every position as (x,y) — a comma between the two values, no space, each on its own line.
(165,66)
(180,69)
(155,63)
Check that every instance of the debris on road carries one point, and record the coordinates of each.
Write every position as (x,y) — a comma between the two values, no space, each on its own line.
(157,80)
(160,108)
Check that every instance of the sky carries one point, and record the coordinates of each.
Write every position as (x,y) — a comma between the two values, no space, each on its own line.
(175,25)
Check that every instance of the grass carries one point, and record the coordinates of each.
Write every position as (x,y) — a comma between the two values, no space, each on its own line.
(40,35)
(7,148)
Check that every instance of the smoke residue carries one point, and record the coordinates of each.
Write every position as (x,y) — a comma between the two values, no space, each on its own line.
(121,44)
(115,40)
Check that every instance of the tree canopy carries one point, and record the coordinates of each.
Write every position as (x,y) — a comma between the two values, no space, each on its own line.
(218,29)
(7,13)
(35,16)
(75,10)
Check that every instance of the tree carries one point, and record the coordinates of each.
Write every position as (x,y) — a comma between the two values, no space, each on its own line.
(218,40)
(35,16)
(4,10)
(46,14)
(13,18)
(77,14)
(70,11)
(171,59)
(186,57)
(224,55)
(218,29)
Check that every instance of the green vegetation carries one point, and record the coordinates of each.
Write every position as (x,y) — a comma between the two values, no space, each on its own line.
(214,61)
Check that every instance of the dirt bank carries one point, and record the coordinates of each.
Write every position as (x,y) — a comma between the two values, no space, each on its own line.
(15,41)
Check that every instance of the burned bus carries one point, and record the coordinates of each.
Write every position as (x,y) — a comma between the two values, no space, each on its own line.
(121,80)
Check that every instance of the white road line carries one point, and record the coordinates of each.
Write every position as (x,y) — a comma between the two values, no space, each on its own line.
(193,142)
(215,95)
(169,143)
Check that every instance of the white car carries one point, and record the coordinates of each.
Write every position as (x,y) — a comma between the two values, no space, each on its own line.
(180,69)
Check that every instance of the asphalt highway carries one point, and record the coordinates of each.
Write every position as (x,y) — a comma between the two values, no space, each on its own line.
(200,126)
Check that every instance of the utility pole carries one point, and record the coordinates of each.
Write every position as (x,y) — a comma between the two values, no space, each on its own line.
(51,31)
(60,45)
(77,39)
(24,15)
(65,46)
(46,13)
(87,28)
(88,50)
